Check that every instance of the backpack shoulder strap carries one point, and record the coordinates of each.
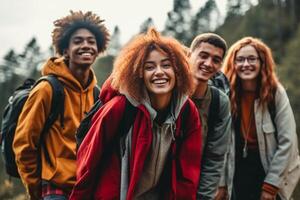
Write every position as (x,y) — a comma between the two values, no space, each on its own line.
(96,92)
(272,111)
(184,116)
(128,118)
(183,127)
(213,108)
(125,124)
(57,104)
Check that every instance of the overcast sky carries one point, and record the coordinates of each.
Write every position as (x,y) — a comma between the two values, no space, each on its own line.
(20,20)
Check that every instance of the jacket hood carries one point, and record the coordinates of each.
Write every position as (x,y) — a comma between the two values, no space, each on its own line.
(177,103)
(107,92)
(58,67)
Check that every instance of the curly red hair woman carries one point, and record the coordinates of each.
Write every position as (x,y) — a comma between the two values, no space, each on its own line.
(161,152)
(266,147)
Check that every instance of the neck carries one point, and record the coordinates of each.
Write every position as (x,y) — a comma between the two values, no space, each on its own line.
(249,85)
(81,74)
(160,102)
(200,89)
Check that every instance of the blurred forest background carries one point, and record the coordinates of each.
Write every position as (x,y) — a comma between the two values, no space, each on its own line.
(276,22)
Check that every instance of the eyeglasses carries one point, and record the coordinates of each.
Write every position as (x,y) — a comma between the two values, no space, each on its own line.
(252,60)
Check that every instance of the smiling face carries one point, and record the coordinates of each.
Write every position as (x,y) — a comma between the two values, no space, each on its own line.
(247,63)
(82,50)
(159,75)
(206,61)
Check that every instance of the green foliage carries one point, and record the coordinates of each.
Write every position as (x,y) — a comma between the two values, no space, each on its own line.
(202,20)
(114,43)
(103,68)
(146,24)
(179,20)
(289,71)
(257,23)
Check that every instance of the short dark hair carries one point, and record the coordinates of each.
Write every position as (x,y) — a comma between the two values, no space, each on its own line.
(210,38)
(66,26)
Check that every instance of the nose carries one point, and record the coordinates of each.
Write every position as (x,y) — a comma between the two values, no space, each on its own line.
(159,70)
(85,44)
(209,62)
(246,62)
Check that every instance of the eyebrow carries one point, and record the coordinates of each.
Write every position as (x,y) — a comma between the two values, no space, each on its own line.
(163,60)
(207,53)
(247,56)
(82,37)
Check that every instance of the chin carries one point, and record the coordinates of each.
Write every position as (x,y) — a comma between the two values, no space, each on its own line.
(247,78)
(202,79)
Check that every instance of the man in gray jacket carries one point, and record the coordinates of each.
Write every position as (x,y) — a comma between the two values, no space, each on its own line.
(206,55)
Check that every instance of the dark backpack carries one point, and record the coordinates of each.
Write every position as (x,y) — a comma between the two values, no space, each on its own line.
(220,81)
(126,121)
(14,109)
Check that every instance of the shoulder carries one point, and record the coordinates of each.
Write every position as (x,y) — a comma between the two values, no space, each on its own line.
(190,115)
(42,90)
(280,91)
(281,97)
(115,106)
(189,106)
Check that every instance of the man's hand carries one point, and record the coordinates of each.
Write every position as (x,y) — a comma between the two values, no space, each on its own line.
(221,194)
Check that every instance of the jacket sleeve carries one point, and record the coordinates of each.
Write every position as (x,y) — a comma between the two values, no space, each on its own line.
(286,134)
(214,152)
(190,157)
(27,137)
(227,173)
(90,153)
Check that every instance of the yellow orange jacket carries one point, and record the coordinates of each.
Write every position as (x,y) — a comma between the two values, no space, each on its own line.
(59,142)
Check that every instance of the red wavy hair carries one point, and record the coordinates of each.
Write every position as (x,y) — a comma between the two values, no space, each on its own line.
(267,79)
(130,62)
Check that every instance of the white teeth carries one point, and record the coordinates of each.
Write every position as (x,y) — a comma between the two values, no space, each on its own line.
(205,71)
(160,81)
(247,70)
(86,54)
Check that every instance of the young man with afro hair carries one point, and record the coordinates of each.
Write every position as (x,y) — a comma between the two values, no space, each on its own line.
(49,172)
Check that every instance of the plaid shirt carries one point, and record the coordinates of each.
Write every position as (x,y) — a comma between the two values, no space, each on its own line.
(50,189)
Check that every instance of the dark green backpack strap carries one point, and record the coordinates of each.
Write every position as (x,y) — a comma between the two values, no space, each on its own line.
(58,102)
(57,108)
(125,124)
(272,111)
(96,93)
(214,109)
(183,128)
(184,116)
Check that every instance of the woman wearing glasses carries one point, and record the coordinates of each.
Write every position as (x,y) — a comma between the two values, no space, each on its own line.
(266,147)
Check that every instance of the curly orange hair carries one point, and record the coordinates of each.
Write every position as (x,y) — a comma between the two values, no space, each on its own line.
(130,61)
(267,79)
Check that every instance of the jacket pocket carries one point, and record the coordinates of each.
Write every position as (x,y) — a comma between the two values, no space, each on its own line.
(291,178)
(268,128)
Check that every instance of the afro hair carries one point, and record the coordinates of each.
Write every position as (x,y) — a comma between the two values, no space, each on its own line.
(67,25)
